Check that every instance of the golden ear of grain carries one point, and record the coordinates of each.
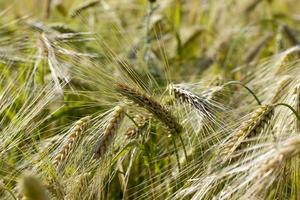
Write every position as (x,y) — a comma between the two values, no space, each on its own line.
(74,135)
(33,189)
(150,104)
(199,103)
(110,132)
(253,126)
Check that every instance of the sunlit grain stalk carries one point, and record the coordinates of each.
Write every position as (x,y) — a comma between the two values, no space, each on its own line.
(110,132)
(150,104)
(253,126)
(199,103)
(73,137)
(257,122)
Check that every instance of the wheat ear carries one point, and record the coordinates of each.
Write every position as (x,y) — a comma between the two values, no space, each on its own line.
(186,96)
(109,132)
(74,135)
(258,120)
(150,104)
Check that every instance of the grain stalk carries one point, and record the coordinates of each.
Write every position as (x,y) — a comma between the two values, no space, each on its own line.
(252,127)
(150,104)
(73,137)
(110,132)
(186,96)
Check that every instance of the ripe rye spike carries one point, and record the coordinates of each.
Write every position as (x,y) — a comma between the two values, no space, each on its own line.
(72,138)
(253,126)
(199,103)
(149,103)
(110,132)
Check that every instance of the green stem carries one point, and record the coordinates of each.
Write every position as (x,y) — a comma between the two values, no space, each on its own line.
(176,153)
(131,119)
(291,108)
(184,149)
(244,86)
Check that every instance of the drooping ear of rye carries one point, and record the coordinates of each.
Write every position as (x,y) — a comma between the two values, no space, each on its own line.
(109,132)
(195,101)
(150,104)
(74,135)
(253,126)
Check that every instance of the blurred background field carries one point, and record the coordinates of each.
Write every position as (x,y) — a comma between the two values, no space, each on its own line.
(65,66)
